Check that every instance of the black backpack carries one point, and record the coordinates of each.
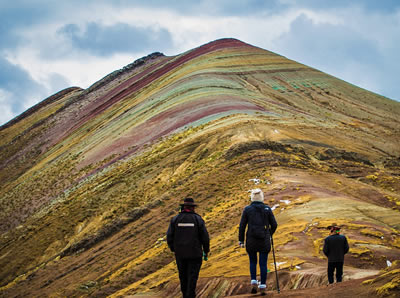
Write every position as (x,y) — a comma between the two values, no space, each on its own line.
(258,231)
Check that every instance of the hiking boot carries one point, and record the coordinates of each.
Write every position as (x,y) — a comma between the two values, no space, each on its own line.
(263,290)
(254,285)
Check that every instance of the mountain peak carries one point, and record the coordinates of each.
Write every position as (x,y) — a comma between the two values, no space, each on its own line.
(90,178)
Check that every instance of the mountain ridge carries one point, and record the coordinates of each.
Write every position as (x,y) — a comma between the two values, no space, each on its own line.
(90,179)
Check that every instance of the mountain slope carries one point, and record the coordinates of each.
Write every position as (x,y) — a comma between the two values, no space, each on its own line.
(90,178)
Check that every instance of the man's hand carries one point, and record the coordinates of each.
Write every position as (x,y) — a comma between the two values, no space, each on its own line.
(241,244)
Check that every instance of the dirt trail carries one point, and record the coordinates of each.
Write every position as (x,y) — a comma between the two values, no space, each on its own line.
(351,288)
(347,289)
(308,282)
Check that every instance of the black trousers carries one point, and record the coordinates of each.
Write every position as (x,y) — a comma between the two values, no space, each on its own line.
(188,274)
(339,271)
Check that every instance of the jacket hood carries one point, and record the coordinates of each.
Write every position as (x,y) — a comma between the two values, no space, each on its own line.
(258,205)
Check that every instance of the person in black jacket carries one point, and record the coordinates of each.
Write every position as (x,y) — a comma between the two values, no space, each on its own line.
(188,238)
(335,247)
(261,225)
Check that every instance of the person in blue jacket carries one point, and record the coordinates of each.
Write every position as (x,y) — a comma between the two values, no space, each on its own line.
(188,238)
(261,225)
(335,247)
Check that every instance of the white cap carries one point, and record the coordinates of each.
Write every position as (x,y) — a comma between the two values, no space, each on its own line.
(257,195)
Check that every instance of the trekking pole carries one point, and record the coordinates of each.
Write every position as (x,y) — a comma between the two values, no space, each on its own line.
(276,270)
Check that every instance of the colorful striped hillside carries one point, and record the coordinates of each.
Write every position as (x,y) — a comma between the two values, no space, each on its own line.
(90,178)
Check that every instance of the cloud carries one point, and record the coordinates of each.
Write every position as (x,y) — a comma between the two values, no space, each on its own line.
(340,51)
(106,40)
(327,43)
(57,82)
(5,104)
(18,85)
(16,15)
(368,5)
(19,91)
(252,7)
(203,7)
(241,8)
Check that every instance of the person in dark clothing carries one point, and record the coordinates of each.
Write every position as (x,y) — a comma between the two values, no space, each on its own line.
(261,225)
(188,238)
(335,247)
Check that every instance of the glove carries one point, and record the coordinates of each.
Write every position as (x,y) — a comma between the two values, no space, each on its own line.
(241,244)
(205,257)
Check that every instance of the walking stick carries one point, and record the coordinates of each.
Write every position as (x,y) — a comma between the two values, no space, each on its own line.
(276,270)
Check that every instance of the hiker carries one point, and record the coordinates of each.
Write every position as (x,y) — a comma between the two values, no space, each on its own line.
(261,225)
(188,238)
(335,247)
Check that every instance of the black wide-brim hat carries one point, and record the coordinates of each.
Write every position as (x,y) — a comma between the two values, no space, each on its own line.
(334,226)
(188,202)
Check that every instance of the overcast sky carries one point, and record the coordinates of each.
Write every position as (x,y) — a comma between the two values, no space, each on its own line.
(46,45)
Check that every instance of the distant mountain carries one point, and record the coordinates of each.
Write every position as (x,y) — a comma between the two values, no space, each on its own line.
(90,178)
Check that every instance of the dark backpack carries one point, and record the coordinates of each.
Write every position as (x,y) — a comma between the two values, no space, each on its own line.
(258,231)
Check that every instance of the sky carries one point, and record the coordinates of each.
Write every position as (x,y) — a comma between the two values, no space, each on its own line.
(48,45)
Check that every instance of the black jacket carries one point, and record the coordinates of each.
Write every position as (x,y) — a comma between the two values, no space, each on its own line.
(335,247)
(187,236)
(260,216)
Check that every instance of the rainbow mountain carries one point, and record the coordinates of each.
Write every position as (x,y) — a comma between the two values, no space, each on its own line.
(90,178)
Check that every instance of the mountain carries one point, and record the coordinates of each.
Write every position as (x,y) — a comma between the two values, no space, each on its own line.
(91,178)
